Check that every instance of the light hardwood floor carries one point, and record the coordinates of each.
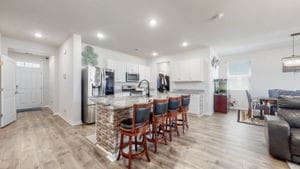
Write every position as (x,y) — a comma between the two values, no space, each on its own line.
(39,140)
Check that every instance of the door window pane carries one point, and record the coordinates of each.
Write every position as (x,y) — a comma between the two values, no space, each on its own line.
(28,64)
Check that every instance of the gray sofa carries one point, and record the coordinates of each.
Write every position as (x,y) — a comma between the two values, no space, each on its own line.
(275,93)
(283,131)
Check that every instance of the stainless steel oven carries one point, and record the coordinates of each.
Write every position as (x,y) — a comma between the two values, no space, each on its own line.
(132,77)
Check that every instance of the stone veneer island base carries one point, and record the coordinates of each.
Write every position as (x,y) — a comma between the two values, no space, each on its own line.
(107,128)
(110,112)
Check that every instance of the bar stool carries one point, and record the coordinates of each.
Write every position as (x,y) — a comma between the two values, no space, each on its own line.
(134,127)
(171,116)
(185,102)
(160,108)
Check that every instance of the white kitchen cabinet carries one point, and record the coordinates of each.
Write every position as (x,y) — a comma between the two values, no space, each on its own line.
(144,72)
(196,104)
(175,71)
(184,70)
(190,70)
(196,70)
(132,68)
(119,68)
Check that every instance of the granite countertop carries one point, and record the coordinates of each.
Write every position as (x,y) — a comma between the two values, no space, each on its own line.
(188,91)
(114,103)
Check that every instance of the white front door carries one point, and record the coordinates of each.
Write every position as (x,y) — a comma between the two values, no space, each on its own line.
(29,86)
(8,90)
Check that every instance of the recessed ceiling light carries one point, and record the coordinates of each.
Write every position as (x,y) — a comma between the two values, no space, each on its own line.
(100,35)
(220,15)
(152,22)
(154,54)
(38,35)
(184,44)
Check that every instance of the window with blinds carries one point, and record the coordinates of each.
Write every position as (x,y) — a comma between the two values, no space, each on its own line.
(239,74)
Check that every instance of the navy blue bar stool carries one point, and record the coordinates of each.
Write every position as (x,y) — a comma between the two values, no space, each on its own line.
(171,116)
(158,116)
(134,127)
(184,108)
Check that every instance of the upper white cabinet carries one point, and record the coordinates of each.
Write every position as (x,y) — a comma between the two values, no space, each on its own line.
(190,70)
(132,68)
(144,72)
(196,70)
(119,68)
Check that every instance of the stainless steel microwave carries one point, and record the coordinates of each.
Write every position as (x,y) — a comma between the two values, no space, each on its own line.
(132,77)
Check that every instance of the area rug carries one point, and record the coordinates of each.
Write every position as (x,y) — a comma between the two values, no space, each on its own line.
(243,117)
(293,165)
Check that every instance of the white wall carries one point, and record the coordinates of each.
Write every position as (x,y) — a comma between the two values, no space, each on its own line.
(69,80)
(266,71)
(0,44)
(53,84)
(205,54)
(26,46)
(106,54)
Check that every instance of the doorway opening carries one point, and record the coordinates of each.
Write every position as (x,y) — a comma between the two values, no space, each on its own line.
(32,77)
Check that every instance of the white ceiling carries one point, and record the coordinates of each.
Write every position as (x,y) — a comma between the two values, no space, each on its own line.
(247,24)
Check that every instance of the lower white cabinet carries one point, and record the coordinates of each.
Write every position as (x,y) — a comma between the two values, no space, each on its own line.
(196,104)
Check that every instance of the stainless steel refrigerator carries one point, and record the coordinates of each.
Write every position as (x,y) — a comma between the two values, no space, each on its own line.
(96,82)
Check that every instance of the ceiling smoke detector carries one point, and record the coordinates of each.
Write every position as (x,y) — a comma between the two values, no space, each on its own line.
(217,16)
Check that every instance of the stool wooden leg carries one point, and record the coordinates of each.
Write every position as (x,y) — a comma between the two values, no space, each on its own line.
(170,128)
(183,122)
(155,138)
(135,139)
(130,152)
(186,121)
(146,147)
(121,145)
(176,127)
(163,133)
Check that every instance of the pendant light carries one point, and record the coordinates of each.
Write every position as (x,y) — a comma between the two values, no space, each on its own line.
(294,60)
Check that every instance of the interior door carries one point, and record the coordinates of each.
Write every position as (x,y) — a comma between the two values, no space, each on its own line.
(8,90)
(29,87)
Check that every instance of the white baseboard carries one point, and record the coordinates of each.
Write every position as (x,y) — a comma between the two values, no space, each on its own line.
(293,165)
(72,123)
(110,156)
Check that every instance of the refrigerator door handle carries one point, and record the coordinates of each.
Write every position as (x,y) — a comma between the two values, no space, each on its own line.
(104,83)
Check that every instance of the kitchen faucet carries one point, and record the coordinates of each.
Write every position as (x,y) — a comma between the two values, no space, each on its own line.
(148,86)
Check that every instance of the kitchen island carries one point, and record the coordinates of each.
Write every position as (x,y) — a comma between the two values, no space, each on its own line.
(110,112)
